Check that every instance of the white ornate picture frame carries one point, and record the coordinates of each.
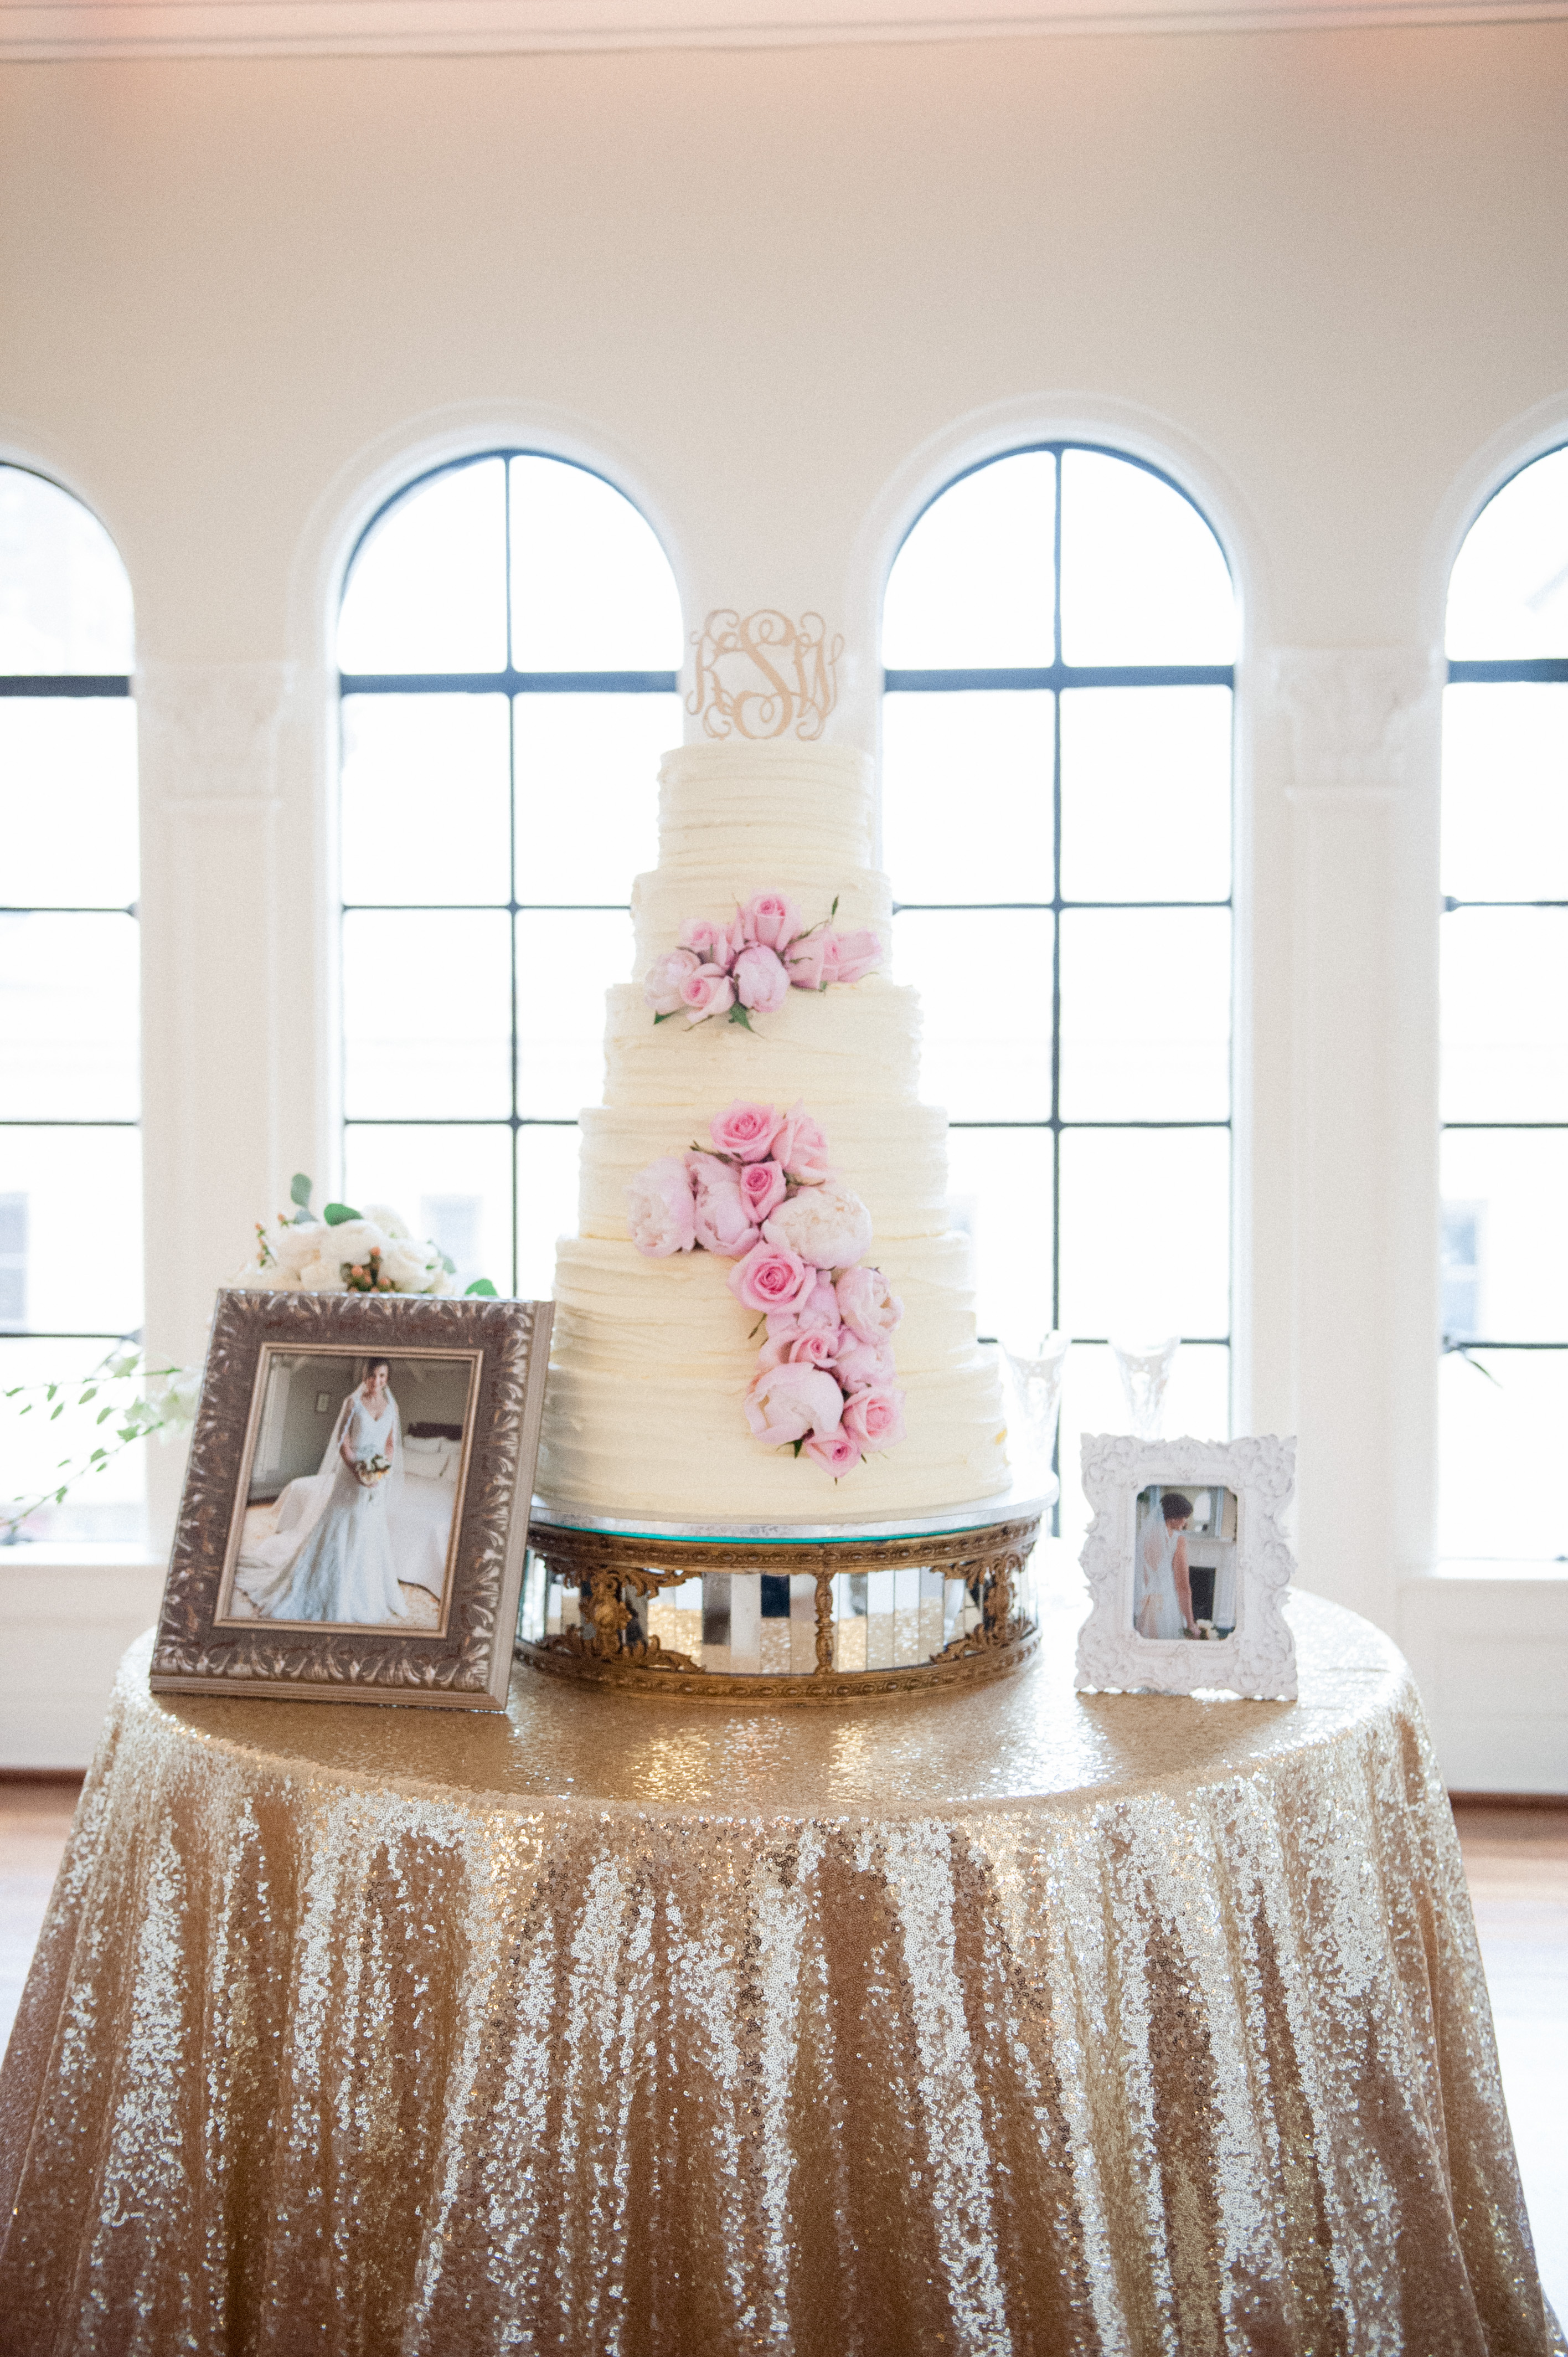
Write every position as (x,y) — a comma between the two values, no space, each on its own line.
(1258,1657)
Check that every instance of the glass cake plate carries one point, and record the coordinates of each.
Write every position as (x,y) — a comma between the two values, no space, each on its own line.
(1023,1499)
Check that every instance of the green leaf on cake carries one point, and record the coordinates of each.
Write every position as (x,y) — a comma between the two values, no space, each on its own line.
(737,1013)
(484,1288)
(337,1215)
(666,1018)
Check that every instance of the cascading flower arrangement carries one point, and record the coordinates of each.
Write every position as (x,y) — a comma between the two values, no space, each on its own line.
(766,1199)
(750,965)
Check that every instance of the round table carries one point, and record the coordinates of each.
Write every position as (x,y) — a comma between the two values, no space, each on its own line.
(1018,2021)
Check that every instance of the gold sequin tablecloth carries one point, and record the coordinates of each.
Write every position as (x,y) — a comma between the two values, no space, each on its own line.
(1009,2022)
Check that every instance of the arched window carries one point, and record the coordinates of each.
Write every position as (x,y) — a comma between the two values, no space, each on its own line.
(71,1169)
(1504,1391)
(1058,631)
(509,641)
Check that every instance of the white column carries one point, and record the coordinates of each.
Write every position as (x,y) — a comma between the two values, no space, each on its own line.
(1353,736)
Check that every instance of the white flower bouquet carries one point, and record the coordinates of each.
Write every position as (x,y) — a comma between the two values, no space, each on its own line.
(346,1251)
(372,1469)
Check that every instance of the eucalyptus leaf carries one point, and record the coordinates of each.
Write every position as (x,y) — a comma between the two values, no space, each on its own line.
(484,1288)
(337,1214)
(448,1264)
(299,1190)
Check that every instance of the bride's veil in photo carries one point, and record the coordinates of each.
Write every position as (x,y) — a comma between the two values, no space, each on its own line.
(1151,1550)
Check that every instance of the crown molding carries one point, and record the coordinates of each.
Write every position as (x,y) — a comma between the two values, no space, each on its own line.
(42,30)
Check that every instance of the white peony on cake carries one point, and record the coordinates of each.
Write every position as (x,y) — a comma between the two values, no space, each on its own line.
(659,1382)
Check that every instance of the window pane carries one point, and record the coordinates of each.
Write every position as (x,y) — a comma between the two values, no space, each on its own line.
(1198,1401)
(999,1193)
(1145,1226)
(565,962)
(426,798)
(1506,1257)
(985,986)
(73,1202)
(69,989)
(426,1015)
(546,1205)
(972,585)
(1508,594)
(1146,793)
(590,587)
(1505,1015)
(65,597)
(1145,1015)
(1500,1443)
(587,792)
(1505,792)
(67,800)
(966,796)
(1144,580)
(453,1184)
(427,589)
(103,1507)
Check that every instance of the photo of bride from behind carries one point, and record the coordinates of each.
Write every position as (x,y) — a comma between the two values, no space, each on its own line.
(331,1556)
(1161,1583)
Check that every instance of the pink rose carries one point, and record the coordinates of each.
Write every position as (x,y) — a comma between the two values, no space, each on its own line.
(849,955)
(660,1208)
(708,941)
(866,1303)
(760,980)
(769,1279)
(859,1364)
(707,992)
(771,919)
(662,983)
(762,1188)
(786,1402)
(876,1417)
(816,1346)
(800,1149)
(746,1131)
(724,1226)
(803,960)
(835,1452)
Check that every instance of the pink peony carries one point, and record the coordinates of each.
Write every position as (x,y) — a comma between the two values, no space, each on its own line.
(746,1131)
(859,1364)
(827,1225)
(762,1186)
(662,983)
(771,920)
(876,1417)
(786,1402)
(849,955)
(804,960)
(836,1452)
(769,1278)
(660,1208)
(724,1224)
(760,981)
(707,992)
(866,1303)
(820,1306)
(708,941)
(800,1149)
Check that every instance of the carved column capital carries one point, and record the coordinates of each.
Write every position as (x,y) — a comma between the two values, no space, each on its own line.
(1353,716)
(208,732)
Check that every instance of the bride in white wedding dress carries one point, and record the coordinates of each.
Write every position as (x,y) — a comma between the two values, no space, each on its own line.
(1162,1586)
(343,1567)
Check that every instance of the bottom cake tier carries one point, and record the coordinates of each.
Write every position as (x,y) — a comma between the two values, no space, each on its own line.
(651,1361)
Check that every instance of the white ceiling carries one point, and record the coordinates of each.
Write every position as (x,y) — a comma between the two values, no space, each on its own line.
(140,28)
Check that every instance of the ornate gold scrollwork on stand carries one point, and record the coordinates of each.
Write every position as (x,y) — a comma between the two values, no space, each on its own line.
(609,1574)
(762,674)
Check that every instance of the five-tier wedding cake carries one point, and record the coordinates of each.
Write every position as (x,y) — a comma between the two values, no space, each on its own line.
(765,1315)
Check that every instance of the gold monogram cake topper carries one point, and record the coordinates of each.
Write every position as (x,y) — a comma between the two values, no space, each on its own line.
(764,675)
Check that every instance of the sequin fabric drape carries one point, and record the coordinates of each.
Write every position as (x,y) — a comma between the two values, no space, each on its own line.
(1011,2022)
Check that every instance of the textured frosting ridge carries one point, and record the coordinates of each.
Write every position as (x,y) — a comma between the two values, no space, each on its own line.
(652,1358)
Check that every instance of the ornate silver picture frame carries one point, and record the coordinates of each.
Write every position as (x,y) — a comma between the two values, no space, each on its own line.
(1179,1524)
(356,1504)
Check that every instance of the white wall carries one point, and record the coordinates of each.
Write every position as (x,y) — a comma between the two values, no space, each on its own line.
(778,296)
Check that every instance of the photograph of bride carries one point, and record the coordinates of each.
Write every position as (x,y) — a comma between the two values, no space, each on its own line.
(1184,1567)
(352,1492)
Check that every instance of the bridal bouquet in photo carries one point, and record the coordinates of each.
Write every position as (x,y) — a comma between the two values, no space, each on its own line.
(346,1251)
(750,965)
(766,1199)
(372,1469)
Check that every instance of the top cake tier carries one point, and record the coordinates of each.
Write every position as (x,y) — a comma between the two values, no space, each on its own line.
(739,818)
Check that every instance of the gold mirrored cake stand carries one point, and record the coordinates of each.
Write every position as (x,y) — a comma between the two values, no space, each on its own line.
(783,1612)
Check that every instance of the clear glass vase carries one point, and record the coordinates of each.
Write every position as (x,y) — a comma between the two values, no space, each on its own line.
(1145,1370)
(1034,1390)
